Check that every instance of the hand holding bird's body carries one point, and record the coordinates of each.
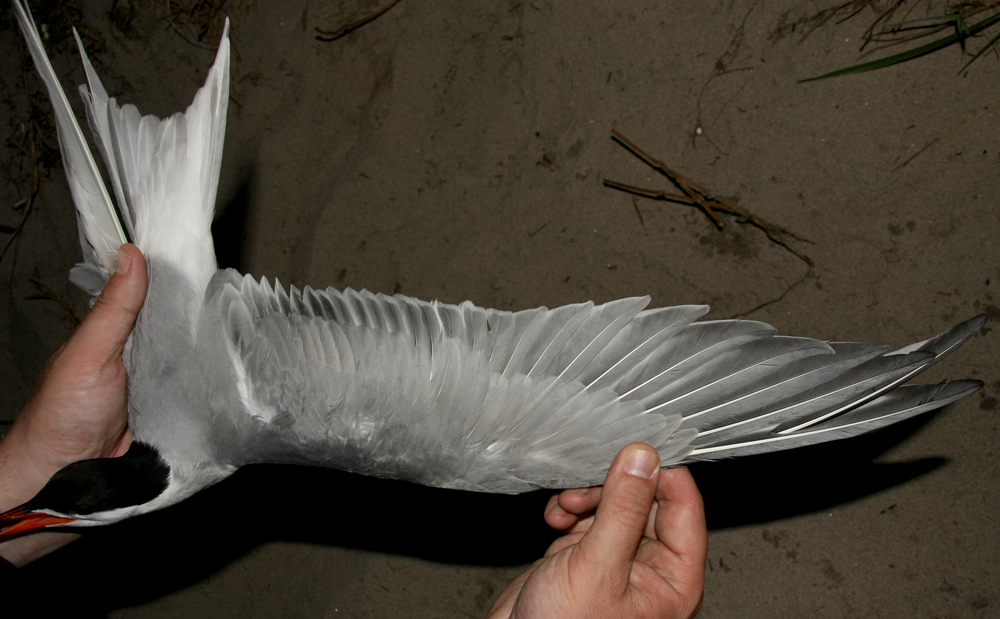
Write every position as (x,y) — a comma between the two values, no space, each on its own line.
(643,550)
(77,411)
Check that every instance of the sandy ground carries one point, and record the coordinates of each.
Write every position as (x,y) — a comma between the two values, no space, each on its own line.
(456,150)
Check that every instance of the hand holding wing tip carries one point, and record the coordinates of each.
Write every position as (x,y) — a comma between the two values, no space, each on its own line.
(635,547)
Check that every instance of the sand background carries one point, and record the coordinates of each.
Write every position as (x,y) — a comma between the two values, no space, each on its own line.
(456,150)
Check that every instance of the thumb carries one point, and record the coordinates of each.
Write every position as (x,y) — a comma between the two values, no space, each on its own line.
(109,323)
(627,498)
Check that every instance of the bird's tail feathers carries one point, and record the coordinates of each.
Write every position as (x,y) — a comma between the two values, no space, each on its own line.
(101,232)
(164,172)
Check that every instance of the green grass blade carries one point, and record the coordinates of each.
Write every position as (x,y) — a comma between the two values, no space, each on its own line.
(916,52)
(921,22)
(981,51)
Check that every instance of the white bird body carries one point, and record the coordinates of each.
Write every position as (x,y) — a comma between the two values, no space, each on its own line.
(225,370)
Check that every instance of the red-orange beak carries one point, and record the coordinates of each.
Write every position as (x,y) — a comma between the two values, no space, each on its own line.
(18,521)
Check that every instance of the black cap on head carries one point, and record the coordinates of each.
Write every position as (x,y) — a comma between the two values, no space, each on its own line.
(103,484)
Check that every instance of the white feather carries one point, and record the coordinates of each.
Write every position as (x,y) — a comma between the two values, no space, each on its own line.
(101,232)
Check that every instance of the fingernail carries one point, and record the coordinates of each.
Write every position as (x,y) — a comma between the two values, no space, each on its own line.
(124,261)
(641,463)
(578,490)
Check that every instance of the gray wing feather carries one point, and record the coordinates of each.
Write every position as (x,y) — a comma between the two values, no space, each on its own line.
(822,401)
(902,403)
(865,397)
(467,397)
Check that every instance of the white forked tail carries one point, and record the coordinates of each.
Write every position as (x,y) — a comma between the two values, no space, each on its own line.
(164,173)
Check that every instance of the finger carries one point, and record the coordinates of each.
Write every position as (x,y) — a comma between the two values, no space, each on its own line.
(681,545)
(650,530)
(563,542)
(558,519)
(628,493)
(109,323)
(570,506)
(555,517)
(580,500)
(680,518)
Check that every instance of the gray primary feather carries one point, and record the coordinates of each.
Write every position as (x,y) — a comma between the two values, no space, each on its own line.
(900,404)
(225,370)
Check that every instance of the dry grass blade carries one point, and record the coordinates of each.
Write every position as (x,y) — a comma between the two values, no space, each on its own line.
(826,15)
(26,204)
(693,194)
(948,134)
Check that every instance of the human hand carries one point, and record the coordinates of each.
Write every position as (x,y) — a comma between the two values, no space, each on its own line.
(77,410)
(642,554)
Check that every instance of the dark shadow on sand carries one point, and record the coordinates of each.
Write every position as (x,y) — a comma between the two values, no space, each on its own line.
(152,555)
(786,484)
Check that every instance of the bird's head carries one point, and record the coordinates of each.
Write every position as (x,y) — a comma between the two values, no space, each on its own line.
(94,492)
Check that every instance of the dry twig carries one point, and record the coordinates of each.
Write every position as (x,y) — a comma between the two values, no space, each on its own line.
(693,194)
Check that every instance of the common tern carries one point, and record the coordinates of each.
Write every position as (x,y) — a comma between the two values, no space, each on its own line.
(225,370)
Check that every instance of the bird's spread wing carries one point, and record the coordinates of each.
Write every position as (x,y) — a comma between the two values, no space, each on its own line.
(466,397)
(454,396)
